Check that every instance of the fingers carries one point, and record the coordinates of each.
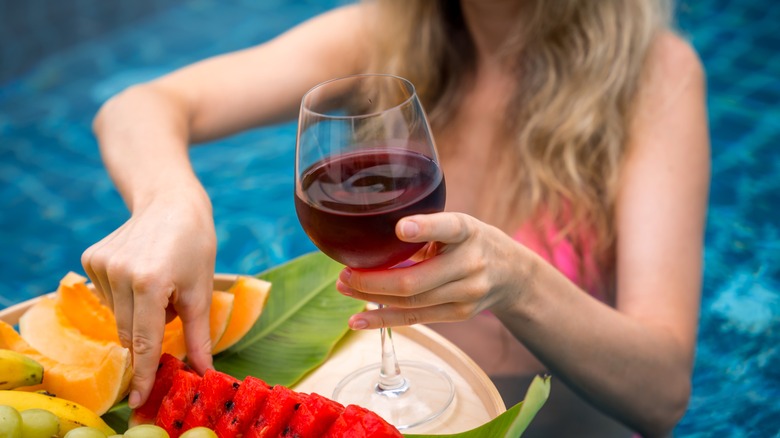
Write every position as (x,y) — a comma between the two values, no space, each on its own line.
(194,315)
(148,326)
(395,317)
(447,228)
(123,312)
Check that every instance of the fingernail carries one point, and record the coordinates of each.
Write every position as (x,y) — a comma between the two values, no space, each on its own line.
(134,400)
(409,229)
(346,274)
(359,324)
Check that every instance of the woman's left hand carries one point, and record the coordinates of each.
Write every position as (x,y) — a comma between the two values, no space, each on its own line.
(467,267)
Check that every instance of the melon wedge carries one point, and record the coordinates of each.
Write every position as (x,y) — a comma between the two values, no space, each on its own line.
(251,295)
(84,310)
(222,308)
(97,387)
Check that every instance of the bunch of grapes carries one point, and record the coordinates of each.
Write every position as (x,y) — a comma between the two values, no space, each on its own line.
(40,423)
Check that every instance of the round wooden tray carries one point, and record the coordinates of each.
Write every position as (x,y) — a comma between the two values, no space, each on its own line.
(477,400)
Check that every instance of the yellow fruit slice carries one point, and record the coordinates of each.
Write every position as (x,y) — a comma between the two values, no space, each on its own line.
(251,294)
(222,307)
(97,387)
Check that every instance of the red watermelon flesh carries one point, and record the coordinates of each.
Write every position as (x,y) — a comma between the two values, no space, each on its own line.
(245,406)
(210,400)
(358,422)
(314,416)
(275,414)
(147,413)
(176,404)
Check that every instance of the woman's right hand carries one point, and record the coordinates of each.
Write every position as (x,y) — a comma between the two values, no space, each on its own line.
(158,264)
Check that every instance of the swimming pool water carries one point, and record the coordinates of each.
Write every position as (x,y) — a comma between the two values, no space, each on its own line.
(56,198)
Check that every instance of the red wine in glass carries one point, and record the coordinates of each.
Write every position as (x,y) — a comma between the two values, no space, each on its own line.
(365,158)
(349,203)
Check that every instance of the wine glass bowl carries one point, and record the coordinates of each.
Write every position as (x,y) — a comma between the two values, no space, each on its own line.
(365,158)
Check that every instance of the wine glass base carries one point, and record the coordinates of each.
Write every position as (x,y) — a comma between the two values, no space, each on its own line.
(427,393)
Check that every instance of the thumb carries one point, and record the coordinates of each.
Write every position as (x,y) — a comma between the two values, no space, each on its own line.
(448,228)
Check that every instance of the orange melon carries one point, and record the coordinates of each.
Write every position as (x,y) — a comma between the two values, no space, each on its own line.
(85,310)
(97,387)
(48,331)
(222,309)
(251,295)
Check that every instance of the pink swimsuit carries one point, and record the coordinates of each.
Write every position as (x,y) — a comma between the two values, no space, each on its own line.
(561,254)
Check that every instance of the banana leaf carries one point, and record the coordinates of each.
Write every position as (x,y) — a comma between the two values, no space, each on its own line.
(513,422)
(303,320)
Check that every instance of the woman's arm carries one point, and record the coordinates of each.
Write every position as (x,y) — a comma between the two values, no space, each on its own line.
(164,254)
(634,361)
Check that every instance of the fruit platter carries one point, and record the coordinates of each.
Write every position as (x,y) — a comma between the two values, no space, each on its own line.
(281,344)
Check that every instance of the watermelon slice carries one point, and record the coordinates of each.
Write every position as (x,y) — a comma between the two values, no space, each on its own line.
(313,417)
(147,413)
(176,404)
(215,391)
(243,409)
(358,422)
(275,414)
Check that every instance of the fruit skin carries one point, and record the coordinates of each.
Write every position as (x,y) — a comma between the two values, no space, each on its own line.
(10,422)
(17,370)
(146,431)
(39,423)
(72,415)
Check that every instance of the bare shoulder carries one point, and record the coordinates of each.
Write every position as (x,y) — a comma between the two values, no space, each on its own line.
(672,67)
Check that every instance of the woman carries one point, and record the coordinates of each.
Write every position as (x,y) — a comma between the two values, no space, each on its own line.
(573,136)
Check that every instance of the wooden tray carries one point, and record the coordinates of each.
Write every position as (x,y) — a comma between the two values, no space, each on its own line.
(477,400)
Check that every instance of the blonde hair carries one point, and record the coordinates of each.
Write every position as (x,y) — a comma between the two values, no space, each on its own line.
(579,65)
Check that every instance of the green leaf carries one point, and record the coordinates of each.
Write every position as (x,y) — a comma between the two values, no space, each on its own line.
(303,320)
(513,422)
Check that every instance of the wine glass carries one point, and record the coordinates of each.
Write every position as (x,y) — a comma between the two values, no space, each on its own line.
(365,158)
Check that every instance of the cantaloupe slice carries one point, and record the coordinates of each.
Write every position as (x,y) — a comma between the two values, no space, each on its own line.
(251,294)
(222,309)
(96,387)
(85,310)
(47,330)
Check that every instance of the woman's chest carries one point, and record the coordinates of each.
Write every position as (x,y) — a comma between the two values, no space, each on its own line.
(475,153)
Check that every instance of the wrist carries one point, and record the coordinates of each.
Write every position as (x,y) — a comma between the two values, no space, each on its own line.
(186,193)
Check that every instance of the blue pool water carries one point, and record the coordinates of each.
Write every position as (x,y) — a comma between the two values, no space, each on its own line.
(56,198)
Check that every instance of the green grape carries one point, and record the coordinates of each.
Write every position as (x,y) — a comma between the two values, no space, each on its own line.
(10,422)
(85,432)
(199,432)
(119,435)
(39,423)
(146,431)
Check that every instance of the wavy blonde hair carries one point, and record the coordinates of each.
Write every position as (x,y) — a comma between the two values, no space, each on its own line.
(579,64)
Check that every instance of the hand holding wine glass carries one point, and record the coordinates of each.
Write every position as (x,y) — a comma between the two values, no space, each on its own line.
(365,159)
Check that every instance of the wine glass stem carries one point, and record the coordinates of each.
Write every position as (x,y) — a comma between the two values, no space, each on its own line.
(391,382)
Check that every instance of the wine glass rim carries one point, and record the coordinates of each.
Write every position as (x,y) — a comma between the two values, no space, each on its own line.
(405,81)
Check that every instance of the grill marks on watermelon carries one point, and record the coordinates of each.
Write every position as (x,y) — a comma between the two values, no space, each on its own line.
(313,417)
(176,404)
(358,422)
(244,407)
(215,393)
(147,413)
(275,414)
